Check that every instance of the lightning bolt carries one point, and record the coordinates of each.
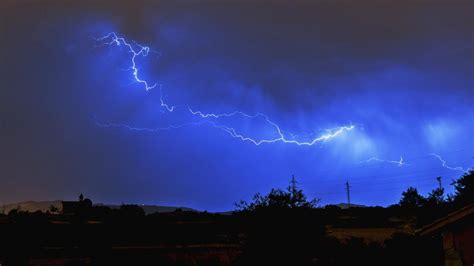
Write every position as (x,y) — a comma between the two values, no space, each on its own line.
(443,163)
(281,138)
(207,118)
(146,129)
(399,163)
(112,38)
(332,133)
(169,108)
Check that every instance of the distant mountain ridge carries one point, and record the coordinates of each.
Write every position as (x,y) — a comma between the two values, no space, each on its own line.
(149,209)
(346,205)
(44,206)
(31,206)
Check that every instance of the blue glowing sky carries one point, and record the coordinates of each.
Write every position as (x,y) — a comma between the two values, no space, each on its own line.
(372,82)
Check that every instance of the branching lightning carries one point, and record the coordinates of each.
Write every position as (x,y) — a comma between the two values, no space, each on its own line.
(443,163)
(207,118)
(399,163)
(112,38)
(147,129)
(281,138)
(332,133)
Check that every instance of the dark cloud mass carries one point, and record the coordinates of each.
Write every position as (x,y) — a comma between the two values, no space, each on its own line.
(401,71)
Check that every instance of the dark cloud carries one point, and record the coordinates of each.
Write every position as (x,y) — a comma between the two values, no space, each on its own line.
(401,70)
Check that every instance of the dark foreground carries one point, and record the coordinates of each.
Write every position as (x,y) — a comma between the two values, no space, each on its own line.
(281,228)
(323,236)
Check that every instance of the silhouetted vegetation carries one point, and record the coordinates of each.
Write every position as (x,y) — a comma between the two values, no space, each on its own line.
(53,209)
(282,227)
(278,199)
(411,199)
(437,204)
(464,189)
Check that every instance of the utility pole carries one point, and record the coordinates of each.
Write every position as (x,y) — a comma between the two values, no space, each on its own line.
(439,182)
(348,187)
(293,185)
(292,189)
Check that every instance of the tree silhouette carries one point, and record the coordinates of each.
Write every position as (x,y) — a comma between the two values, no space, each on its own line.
(298,199)
(464,189)
(412,199)
(436,197)
(278,199)
(53,209)
(87,203)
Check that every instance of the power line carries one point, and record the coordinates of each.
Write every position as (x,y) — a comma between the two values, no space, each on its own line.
(430,171)
(409,160)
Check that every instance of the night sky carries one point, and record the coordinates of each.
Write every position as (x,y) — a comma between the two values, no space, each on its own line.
(74,120)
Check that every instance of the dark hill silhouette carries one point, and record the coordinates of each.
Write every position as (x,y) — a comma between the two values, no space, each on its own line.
(31,206)
(150,209)
(345,205)
(44,206)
